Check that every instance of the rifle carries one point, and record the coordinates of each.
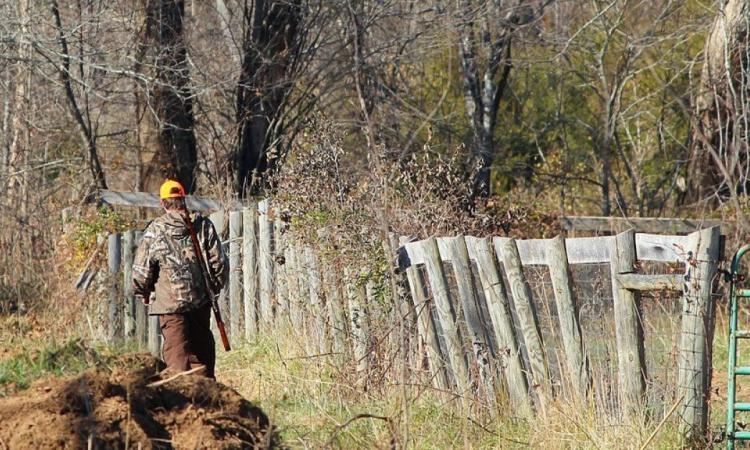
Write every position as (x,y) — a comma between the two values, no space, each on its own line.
(207,279)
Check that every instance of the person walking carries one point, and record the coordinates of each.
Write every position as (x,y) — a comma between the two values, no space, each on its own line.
(167,265)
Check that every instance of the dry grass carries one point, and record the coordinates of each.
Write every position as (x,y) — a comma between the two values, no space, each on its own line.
(315,403)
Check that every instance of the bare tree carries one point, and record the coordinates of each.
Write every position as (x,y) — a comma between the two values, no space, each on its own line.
(168,114)
(607,49)
(18,139)
(720,163)
(271,47)
(486,32)
(81,117)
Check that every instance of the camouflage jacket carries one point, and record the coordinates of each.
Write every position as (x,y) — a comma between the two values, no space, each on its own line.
(165,263)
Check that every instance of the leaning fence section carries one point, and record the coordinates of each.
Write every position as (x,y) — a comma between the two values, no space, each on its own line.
(622,321)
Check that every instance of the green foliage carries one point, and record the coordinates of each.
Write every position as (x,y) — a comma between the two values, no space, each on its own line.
(52,359)
(82,239)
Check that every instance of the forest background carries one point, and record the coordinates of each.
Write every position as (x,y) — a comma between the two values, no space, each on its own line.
(624,108)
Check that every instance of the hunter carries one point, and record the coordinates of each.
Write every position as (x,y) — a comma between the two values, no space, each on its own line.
(166,264)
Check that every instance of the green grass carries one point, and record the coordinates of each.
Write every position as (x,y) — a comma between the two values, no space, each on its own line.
(50,359)
(29,350)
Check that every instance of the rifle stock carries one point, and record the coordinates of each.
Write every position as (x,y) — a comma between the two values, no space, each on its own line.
(207,280)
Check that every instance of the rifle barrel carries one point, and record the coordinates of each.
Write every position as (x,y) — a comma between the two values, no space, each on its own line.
(207,280)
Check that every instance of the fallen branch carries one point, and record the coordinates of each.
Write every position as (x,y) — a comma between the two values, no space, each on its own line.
(174,377)
(663,421)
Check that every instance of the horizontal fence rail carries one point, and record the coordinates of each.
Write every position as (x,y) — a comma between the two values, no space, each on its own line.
(486,319)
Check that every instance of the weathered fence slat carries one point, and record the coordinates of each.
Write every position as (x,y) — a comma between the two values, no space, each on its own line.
(588,250)
(128,254)
(236,311)
(141,312)
(308,320)
(293,286)
(499,309)
(694,363)
(567,314)
(628,327)
(154,336)
(150,200)
(370,298)
(640,282)
(532,251)
(250,269)
(453,249)
(646,224)
(657,247)
(265,264)
(425,327)
(360,334)
(526,313)
(403,307)
(315,305)
(217,218)
(279,268)
(446,315)
(336,315)
(114,322)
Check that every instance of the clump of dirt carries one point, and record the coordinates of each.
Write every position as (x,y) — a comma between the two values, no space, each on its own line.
(119,409)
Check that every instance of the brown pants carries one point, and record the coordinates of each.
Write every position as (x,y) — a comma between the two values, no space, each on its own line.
(188,341)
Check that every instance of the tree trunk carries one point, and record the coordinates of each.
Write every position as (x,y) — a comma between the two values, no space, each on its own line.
(486,29)
(604,178)
(85,129)
(269,47)
(18,144)
(169,121)
(717,163)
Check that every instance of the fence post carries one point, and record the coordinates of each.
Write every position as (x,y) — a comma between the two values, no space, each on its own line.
(403,305)
(128,254)
(499,309)
(279,268)
(235,268)
(114,258)
(217,218)
(250,269)
(335,312)
(694,364)
(265,263)
(425,325)
(141,317)
(567,314)
(507,250)
(454,249)
(293,289)
(446,316)
(360,334)
(628,327)
(303,302)
(369,300)
(316,309)
(154,336)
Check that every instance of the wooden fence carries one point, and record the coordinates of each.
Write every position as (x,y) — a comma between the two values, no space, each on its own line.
(472,319)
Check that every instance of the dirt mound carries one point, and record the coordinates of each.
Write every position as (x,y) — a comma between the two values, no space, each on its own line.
(116,409)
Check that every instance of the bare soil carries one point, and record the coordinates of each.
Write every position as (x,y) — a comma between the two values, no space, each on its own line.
(116,409)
